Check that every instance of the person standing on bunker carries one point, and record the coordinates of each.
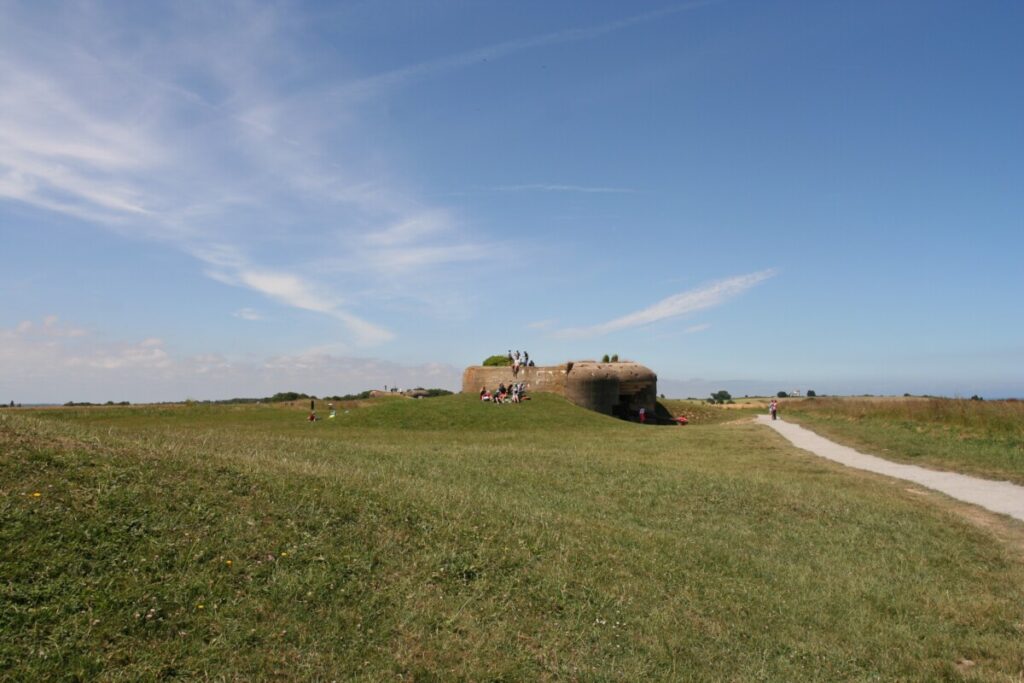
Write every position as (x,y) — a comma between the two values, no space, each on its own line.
(773,408)
(643,415)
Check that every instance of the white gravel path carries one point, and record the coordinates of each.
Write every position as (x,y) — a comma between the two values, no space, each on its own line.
(997,496)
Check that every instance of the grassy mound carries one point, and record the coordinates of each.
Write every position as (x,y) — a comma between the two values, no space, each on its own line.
(447,539)
(458,412)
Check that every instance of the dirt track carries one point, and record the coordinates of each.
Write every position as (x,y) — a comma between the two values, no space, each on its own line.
(997,496)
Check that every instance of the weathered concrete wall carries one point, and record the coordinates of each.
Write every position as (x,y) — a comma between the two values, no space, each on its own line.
(610,388)
(596,393)
(547,378)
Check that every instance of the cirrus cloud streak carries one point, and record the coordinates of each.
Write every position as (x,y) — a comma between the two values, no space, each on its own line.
(701,298)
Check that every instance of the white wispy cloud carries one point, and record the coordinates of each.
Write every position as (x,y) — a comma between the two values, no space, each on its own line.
(46,348)
(148,353)
(287,288)
(248,314)
(540,187)
(296,291)
(57,152)
(694,329)
(372,85)
(50,361)
(201,137)
(419,241)
(120,135)
(49,327)
(701,298)
(411,229)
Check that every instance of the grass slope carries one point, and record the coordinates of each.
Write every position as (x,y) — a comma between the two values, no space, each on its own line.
(703,413)
(445,539)
(984,438)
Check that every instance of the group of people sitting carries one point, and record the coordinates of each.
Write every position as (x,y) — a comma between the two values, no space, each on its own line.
(519,361)
(313,417)
(514,393)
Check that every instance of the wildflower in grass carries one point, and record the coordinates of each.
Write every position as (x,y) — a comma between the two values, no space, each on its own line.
(284,554)
(36,494)
(200,606)
(227,562)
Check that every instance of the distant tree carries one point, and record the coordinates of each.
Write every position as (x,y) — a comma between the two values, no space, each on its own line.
(287,396)
(606,359)
(722,396)
(497,361)
(615,358)
(977,398)
(782,394)
(362,396)
(811,393)
(906,395)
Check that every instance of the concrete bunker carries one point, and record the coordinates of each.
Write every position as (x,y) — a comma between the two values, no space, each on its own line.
(620,388)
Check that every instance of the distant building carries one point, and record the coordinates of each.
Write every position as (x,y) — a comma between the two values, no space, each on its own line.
(620,388)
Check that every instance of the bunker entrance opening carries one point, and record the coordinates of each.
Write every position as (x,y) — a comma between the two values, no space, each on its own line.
(627,406)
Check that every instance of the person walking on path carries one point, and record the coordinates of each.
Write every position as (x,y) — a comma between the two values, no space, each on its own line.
(773,409)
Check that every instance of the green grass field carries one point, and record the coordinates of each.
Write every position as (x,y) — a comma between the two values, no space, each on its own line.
(446,539)
(984,438)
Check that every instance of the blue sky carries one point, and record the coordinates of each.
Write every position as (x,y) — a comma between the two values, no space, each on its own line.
(210,200)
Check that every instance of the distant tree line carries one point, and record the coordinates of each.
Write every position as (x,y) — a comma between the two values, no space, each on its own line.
(285,396)
(434,393)
(279,397)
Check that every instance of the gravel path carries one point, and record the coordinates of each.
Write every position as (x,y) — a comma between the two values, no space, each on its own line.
(997,496)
